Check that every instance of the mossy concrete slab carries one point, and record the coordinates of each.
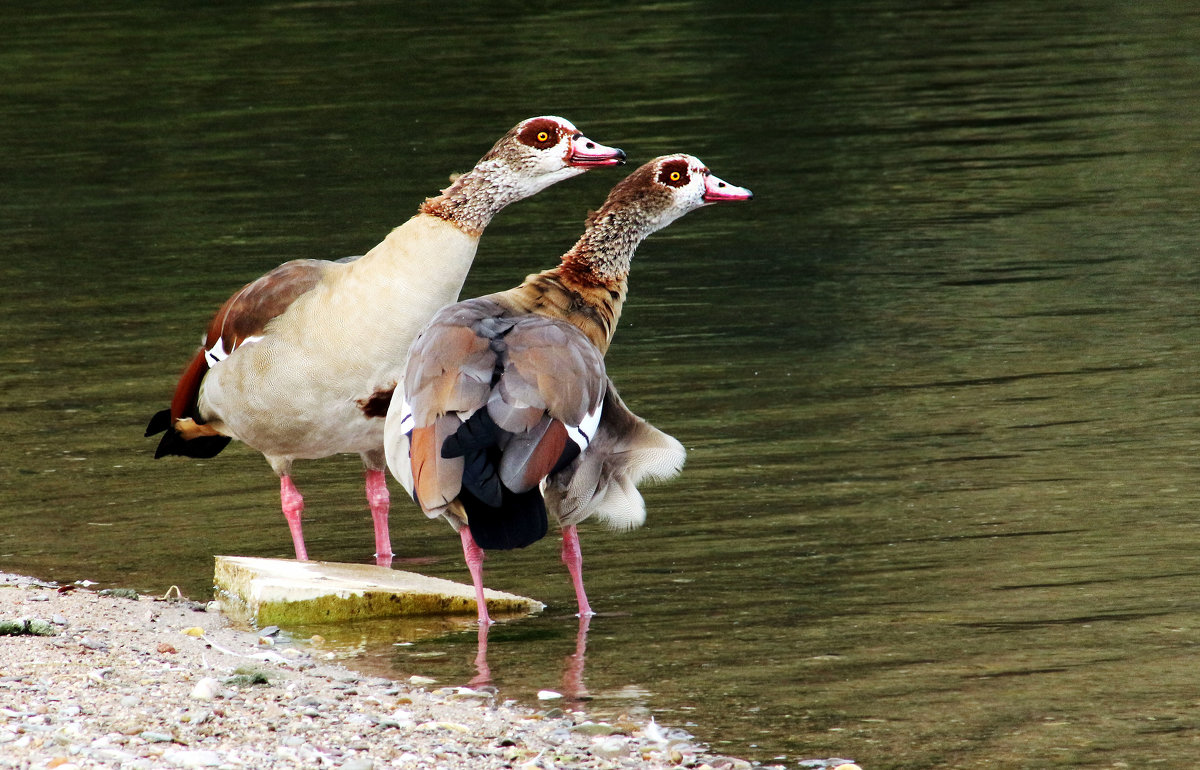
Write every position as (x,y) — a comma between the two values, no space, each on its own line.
(287,592)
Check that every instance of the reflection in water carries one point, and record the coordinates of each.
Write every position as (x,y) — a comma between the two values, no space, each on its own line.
(937,388)
(483,671)
(572,688)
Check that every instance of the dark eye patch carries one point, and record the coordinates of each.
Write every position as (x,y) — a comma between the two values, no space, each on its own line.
(540,133)
(674,173)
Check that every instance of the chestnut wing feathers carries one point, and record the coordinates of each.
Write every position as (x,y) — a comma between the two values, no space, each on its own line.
(245,314)
(242,318)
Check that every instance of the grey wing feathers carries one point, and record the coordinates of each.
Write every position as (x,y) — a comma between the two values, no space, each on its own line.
(538,378)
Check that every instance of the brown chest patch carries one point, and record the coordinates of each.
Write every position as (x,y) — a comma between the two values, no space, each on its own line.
(376,405)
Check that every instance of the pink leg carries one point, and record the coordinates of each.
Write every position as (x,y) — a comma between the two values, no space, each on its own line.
(379,500)
(572,557)
(474,555)
(293,505)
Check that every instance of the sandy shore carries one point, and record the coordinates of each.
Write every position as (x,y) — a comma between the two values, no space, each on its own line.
(89,679)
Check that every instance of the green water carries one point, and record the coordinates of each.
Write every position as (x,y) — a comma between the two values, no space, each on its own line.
(937,381)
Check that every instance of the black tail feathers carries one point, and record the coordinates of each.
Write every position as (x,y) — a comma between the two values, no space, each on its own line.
(172,443)
(519,521)
(500,519)
(159,422)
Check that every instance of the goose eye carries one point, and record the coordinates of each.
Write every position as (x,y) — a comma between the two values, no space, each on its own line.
(540,134)
(674,174)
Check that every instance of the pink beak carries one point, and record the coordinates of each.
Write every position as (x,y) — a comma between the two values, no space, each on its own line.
(717,189)
(585,153)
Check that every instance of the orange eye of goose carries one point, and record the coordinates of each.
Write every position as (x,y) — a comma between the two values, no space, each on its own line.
(674,176)
(542,136)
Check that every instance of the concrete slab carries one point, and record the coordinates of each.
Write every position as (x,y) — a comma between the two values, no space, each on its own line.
(288,592)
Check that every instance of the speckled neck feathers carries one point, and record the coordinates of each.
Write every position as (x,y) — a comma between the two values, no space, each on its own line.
(473,199)
(589,287)
(603,254)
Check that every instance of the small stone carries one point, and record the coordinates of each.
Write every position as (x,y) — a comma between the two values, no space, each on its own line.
(443,725)
(400,718)
(26,627)
(548,695)
(150,736)
(166,649)
(594,728)
(193,758)
(196,716)
(196,631)
(418,680)
(359,763)
(100,674)
(94,644)
(610,747)
(59,620)
(124,593)
(206,689)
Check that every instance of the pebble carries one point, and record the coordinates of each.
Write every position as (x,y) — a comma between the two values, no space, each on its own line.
(193,758)
(610,746)
(27,627)
(206,689)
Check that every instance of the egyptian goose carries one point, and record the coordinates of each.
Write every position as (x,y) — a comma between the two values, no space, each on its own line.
(301,363)
(507,410)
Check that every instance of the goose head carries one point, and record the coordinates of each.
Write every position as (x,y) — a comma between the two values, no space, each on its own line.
(540,151)
(666,188)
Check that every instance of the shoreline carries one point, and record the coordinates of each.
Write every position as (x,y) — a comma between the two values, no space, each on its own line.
(116,679)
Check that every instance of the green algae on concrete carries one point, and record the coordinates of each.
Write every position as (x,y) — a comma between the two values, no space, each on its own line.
(288,592)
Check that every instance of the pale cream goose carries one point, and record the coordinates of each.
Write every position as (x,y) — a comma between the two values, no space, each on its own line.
(507,409)
(301,363)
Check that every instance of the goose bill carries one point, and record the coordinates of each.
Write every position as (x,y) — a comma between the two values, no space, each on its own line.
(585,153)
(717,189)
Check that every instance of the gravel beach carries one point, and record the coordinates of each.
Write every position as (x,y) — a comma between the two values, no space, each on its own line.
(93,679)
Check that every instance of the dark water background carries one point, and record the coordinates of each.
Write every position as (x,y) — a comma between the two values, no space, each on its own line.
(937,382)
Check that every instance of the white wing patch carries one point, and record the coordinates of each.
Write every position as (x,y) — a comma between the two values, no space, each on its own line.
(586,431)
(217,353)
(407,421)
